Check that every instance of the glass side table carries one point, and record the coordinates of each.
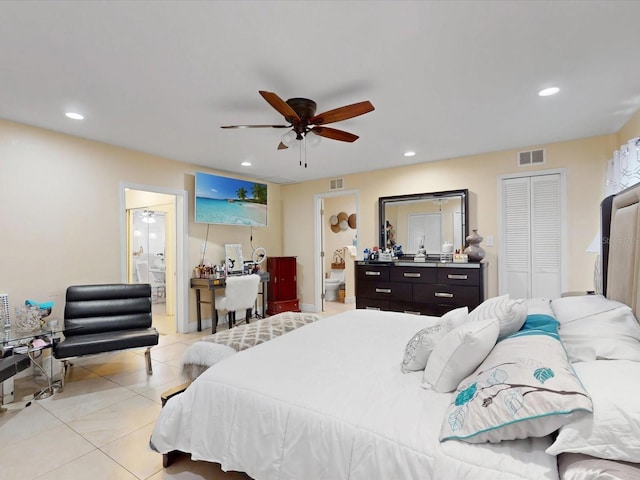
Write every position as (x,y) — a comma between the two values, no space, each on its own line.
(34,343)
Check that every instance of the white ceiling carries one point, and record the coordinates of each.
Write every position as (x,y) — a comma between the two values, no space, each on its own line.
(447,78)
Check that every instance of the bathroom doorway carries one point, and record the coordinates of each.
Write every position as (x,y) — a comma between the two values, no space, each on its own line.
(153,246)
(336,227)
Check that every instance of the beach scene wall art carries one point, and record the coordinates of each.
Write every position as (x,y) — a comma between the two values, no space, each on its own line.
(230,201)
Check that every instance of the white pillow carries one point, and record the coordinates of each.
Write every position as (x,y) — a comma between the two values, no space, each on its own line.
(569,309)
(458,354)
(510,313)
(539,306)
(593,327)
(613,431)
(422,343)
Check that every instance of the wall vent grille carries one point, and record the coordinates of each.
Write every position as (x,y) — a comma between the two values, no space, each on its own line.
(336,184)
(531,157)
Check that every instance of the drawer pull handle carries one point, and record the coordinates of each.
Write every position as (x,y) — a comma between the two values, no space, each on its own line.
(412,313)
(444,295)
(369,272)
(383,290)
(372,308)
(411,275)
(457,277)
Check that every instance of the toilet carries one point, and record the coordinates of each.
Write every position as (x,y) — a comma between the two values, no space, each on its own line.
(332,284)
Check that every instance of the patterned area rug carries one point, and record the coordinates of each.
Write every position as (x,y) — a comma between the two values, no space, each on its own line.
(214,348)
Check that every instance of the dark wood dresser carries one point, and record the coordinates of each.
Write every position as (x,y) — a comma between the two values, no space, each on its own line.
(420,288)
(282,290)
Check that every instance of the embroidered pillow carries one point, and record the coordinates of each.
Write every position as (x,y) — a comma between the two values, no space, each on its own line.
(526,387)
(458,353)
(422,343)
(510,313)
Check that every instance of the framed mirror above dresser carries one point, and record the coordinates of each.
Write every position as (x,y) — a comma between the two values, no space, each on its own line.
(429,287)
(428,219)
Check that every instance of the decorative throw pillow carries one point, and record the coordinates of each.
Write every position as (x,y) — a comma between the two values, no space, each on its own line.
(458,353)
(510,313)
(525,387)
(422,343)
(613,431)
(593,327)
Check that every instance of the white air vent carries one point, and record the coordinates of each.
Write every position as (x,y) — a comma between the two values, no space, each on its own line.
(336,184)
(531,157)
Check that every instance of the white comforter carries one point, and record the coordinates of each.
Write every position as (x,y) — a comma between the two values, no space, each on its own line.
(328,401)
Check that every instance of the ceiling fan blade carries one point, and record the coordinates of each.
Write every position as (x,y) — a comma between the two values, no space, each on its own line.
(342,113)
(255,126)
(280,105)
(282,146)
(335,134)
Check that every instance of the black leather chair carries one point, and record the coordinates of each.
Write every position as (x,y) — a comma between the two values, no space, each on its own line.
(11,366)
(106,318)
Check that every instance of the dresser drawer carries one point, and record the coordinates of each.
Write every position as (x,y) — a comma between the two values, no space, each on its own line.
(413,308)
(372,303)
(459,276)
(365,273)
(446,295)
(386,290)
(413,275)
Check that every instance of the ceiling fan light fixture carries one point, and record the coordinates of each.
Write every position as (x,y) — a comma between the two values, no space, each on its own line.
(289,137)
(312,140)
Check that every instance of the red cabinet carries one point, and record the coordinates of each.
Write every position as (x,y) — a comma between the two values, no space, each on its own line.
(282,289)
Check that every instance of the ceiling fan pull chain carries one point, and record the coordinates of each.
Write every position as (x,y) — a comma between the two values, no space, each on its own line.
(305,151)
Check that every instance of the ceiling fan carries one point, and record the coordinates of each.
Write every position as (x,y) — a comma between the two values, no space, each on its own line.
(300,113)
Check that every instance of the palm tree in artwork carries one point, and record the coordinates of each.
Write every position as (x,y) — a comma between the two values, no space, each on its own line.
(242,193)
(259,192)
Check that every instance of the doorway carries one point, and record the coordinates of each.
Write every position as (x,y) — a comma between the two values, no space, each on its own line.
(153,239)
(532,229)
(330,240)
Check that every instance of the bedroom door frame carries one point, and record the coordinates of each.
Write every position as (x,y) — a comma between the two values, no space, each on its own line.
(181,237)
(318,244)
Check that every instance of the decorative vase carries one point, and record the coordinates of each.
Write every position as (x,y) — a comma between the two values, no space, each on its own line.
(474,251)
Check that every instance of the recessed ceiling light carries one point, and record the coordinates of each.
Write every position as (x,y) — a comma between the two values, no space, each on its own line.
(74,116)
(548,91)
(409,153)
(246,164)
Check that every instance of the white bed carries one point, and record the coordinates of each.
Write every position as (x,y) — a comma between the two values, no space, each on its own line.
(330,398)
(330,401)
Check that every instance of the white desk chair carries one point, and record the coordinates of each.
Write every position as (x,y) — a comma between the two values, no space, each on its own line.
(241,293)
(142,271)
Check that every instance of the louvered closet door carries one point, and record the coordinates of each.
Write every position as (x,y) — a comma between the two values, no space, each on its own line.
(531,237)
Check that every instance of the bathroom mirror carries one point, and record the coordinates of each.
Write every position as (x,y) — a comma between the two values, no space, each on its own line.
(424,219)
(233,257)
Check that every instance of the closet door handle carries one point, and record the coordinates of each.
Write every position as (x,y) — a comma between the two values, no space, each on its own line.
(384,290)
(372,273)
(411,275)
(444,295)
(456,277)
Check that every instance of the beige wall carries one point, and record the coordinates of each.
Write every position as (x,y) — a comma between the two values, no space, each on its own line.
(584,162)
(60,205)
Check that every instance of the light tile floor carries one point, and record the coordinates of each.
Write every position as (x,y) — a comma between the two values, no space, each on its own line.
(99,427)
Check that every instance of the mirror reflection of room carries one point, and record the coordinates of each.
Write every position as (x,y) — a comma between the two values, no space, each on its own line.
(426,221)
(233,258)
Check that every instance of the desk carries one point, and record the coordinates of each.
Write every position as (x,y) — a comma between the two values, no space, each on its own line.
(213,284)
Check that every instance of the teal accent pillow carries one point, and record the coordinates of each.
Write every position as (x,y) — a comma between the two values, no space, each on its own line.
(526,387)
